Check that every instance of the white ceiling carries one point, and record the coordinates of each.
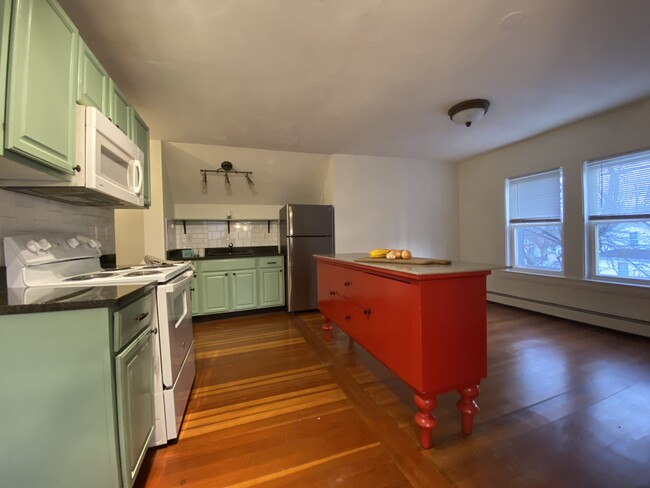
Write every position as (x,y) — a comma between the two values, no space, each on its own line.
(372,77)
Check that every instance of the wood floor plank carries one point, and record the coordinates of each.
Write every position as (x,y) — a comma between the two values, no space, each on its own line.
(274,404)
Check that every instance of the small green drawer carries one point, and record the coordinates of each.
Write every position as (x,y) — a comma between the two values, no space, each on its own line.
(130,320)
(270,262)
(227,264)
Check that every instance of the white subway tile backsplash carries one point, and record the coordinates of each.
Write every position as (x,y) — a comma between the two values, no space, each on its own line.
(20,214)
(202,234)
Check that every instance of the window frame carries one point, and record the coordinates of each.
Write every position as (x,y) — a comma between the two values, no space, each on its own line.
(591,224)
(513,224)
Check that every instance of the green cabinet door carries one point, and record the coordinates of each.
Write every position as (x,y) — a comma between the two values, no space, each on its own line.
(5,24)
(120,110)
(215,292)
(93,80)
(271,287)
(141,138)
(42,81)
(244,289)
(135,409)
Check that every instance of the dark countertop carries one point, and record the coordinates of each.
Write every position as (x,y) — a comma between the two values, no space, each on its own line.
(46,299)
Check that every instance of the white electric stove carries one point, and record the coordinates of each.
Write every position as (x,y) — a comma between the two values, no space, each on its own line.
(41,265)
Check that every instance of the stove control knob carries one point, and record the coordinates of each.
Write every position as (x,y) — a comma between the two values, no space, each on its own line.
(94,244)
(33,246)
(72,242)
(45,244)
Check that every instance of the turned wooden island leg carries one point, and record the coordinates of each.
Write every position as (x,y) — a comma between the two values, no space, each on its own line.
(467,406)
(425,418)
(326,323)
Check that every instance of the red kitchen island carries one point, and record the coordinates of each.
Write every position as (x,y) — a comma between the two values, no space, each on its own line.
(426,323)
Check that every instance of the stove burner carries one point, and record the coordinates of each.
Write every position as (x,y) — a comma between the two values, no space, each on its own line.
(90,276)
(121,268)
(141,273)
(155,266)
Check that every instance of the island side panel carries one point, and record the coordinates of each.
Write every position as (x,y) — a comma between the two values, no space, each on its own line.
(454,332)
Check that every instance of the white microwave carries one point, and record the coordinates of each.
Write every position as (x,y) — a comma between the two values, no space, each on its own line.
(108,168)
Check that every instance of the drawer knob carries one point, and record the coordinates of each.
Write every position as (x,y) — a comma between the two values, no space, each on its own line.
(347,317)
(346,283)
(332,292)
(366,311)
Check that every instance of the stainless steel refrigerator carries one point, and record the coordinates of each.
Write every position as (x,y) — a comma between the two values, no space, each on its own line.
(305,230)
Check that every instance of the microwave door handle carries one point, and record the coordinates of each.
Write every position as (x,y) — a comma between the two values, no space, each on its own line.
(137,176)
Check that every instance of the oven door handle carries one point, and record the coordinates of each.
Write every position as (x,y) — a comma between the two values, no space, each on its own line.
(180,282)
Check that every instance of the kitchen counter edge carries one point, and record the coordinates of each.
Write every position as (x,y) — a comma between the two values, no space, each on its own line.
(15,301)
(415,270)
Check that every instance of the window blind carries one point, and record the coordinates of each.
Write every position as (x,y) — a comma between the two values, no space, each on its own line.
(620,186)
(535,198)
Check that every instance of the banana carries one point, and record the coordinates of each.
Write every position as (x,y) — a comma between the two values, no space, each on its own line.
(378,253)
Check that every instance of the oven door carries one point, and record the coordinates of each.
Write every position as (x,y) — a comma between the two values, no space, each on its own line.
(175,325)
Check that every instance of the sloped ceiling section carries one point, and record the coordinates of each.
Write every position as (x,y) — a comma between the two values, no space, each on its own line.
(372,77)
(278,177)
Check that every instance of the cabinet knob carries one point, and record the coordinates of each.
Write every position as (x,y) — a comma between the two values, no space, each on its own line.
(332,292)
(347,317)
(154,331)
(366,311)
(346,283)
(234,274)
(191,289)
(76,168)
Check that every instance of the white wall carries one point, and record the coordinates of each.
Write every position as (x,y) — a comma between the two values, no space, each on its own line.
(21,214)
(141,232)
(482,219)
(394,203)
(279,177)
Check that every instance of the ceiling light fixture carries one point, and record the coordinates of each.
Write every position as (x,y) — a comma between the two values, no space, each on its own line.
(226,169)
(469,112)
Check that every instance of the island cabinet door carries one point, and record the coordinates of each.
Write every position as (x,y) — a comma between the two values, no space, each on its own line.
(390,329)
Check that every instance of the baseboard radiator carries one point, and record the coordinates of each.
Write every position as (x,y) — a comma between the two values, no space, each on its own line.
(615,322)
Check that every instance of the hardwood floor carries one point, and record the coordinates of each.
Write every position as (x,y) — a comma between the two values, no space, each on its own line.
(274,404)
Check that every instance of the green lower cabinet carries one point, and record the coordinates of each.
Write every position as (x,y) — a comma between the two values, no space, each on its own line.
(271,287)
(76,411)
(230,285)
(134,378)
(214,292)
(243,284)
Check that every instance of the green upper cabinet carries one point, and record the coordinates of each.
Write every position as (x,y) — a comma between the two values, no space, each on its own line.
(93,80)
(5,24)
(120,110)
(42,81)
(140,136)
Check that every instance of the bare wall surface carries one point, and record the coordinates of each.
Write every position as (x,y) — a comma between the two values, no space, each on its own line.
(395,203)
(482,218)
(279,177)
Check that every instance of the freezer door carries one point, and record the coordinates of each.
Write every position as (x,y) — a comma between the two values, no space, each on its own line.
(310,220)
(301,270)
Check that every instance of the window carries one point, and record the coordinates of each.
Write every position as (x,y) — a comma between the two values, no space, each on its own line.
(618,218)
(534,216)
